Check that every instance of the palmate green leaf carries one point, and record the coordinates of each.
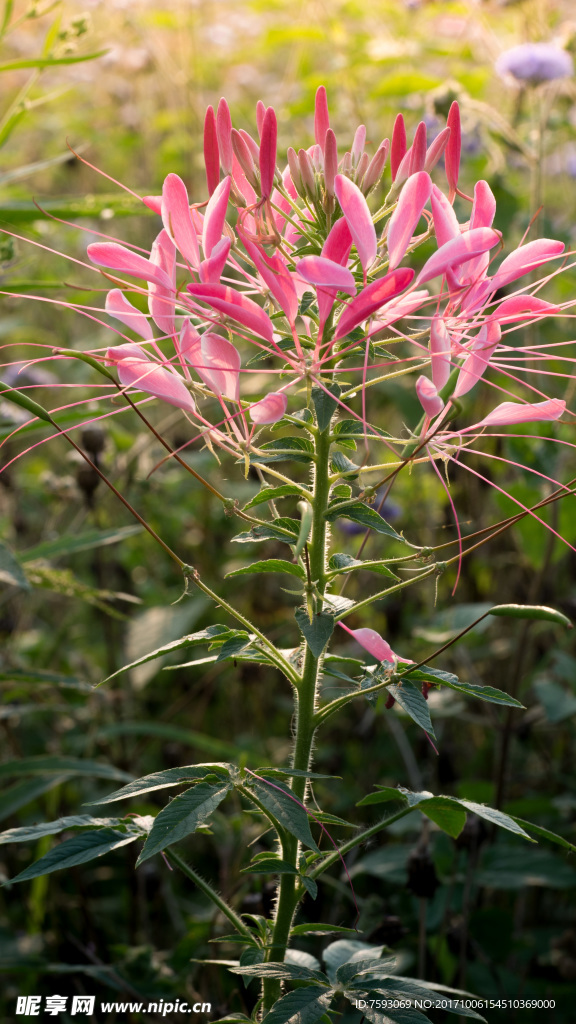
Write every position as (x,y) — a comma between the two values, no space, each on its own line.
(282,805)
(233,647)
(343,950)
(344,466)
(438,677)
(414,704)
(545,833)
(69,545)
(203,636)
(55,765)
(270,565)
(384,795)
(495,818)
(303,1006)
(283,971)
(310,884)
(31,833)
(295,449)
(78,850)
(321,929)
(11,572)
(281,528)
(165,779)
(273,493)
(316,633)
(342,563)
(325,404)
(182,816)
(531,611)
(365,515)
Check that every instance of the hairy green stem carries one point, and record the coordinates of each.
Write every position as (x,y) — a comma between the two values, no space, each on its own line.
(289,893)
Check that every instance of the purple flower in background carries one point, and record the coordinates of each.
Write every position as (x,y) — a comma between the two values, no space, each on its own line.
(535,63)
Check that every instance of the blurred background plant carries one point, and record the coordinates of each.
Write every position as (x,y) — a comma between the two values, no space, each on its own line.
(84,592)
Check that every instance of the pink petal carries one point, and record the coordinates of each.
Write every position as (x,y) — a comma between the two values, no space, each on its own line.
(243,185)
(117,305)
(117,257)
(375,167)
(413,198)
(514,412)
(161,300)
(525,259)
(440,351)
(399,308)
(153,203)
(358,217)
(483,207)
(268,152)
(188,345)
(358,144)
(458,251)
(260,112)
(244,157)
(324,273)
(219,366)
(224,135)
(215,217)
(398,147)
(418,149)
(269,409)
(372,642)
(446,224)
(338,243)
(476,363)
(523,307)
(372,298)
(276,275)
(177,220)
(231,303)
(321,117)
(136,370)
(211,150)
(453,147)
(429,398)
(251,143)
(211,270)
(330,162)
(436,149)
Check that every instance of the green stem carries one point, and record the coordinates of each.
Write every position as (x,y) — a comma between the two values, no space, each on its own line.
(211,893)
(289,893)
(356,840)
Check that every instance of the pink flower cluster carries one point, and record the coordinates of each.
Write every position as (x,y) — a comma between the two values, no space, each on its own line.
(308,272)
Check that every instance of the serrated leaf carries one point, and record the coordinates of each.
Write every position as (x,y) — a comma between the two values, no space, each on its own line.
(269,866)
(321,929)
(273,493)
(366,516)
(233,647)
(203,636)
(31,833)
(182,816)
(303,1006)
(495,817)
(308,299)
(270,565)
(384,795)
(531,611)
(295,449)
(11,572)
(445,814)
(69,545)
(283,971)
(316,633)
(414,704)
(343,950)
(343,563)
(283,806)
(545,833)
(344,466)
(311,885)
(282,528)
(78,850)
(370,964)
(162,780)
(325,404)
